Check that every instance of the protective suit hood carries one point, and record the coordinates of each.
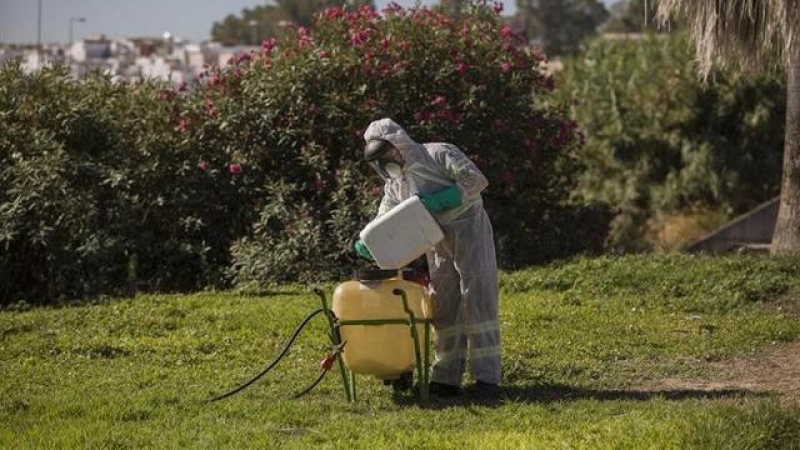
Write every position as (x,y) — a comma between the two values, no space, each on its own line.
(389,130)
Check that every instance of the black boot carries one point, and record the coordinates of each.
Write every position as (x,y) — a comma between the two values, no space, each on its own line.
(442,390)
(484,391)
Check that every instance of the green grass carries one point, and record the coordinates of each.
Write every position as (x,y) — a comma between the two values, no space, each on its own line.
(578,337)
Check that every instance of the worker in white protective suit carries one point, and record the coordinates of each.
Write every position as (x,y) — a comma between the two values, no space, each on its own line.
(463,267)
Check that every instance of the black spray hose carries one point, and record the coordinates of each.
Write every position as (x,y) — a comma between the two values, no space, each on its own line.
(312,385)
(269,367)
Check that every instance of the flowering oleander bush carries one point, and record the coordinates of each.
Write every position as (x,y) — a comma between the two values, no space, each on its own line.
(254,172)
(295,112)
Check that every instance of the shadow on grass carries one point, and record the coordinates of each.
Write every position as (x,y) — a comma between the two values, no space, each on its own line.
(547,394)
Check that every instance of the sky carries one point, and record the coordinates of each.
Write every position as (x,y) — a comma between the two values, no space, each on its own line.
(191,19)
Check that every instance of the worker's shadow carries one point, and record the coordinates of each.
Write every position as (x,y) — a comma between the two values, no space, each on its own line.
(551,393)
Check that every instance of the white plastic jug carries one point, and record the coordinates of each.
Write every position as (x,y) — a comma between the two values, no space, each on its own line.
(401,235)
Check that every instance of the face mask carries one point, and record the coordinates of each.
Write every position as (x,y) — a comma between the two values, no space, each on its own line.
(393,169)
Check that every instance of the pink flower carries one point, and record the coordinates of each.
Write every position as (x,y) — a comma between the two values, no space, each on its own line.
(462,68)
(386,43)
(235,168)
(333,13)
(242,58)
(182,86)
(505,66)
(202,165)
(323,54)
(498,8)
(440,100)
(358,38)
(465,30)
(506,31)
(268,45)
(183,125)
(450,116)
(304,37)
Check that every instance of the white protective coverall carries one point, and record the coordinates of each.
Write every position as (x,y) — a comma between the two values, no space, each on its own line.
(463,267)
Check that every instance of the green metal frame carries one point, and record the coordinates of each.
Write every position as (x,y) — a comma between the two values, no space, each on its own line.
(422,356)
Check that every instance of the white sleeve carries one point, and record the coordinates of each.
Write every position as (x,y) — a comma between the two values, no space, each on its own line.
(461,169)
(388,201)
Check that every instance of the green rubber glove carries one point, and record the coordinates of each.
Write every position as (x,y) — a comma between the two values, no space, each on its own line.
(362,250)
(449,197)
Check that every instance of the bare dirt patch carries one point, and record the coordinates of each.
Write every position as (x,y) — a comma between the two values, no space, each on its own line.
(776,370)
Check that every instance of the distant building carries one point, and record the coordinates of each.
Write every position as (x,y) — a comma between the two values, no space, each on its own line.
(10,53)
(168,58)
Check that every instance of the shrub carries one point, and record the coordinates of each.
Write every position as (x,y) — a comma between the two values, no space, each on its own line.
(662,145)
(296,112)
(96,196)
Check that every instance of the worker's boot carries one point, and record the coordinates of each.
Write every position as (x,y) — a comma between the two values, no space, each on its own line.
(484,391)
(442,390)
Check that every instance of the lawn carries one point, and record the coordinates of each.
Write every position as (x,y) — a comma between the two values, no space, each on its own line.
(581,339)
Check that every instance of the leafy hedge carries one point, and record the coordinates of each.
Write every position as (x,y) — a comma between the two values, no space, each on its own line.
(254,173)
(661,144)
(98,196)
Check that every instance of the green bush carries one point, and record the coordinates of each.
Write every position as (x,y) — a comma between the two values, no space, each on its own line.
(660,143)
(96,196)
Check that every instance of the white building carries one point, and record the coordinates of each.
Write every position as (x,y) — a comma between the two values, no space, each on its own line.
(169,58)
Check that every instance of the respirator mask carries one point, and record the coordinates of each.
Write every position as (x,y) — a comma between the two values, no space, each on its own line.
(384,158)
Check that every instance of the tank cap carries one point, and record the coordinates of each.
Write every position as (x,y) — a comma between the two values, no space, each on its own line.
(375,274)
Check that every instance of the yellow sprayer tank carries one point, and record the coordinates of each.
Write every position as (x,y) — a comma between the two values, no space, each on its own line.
(385,351)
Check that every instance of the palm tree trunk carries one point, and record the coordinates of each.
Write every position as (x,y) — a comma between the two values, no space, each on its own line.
(786,239)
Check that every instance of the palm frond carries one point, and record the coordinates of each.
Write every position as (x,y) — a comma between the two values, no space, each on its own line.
(754,33)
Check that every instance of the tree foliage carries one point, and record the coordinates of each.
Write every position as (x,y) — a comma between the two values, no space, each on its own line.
(661,143)
(754,35)
(560,26)
(271,20)
(632,16)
